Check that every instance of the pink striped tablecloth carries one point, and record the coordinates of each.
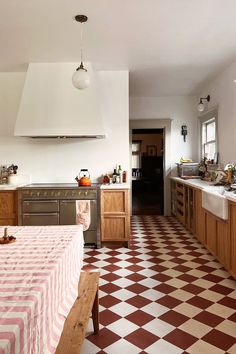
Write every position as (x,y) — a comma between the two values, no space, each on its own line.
(39,276)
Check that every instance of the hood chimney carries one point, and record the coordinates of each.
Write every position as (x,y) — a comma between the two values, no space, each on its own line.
(52,107)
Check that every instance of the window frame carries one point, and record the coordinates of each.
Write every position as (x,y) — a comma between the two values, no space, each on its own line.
(205,119)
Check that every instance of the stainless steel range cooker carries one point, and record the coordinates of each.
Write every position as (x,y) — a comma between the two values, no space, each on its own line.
(54,204)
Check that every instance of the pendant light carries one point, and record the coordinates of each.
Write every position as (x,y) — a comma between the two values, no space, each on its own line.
(80,78)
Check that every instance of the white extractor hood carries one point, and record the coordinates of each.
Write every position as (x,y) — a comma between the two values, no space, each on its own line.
(52,107)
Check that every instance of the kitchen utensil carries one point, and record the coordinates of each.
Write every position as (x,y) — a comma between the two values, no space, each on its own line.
(84,178)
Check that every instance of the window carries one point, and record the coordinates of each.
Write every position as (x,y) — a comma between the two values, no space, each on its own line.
(208,125)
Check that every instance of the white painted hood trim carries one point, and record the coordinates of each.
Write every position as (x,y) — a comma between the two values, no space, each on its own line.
(52,107)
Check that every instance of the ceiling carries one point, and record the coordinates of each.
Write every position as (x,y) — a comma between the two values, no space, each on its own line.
(170,47)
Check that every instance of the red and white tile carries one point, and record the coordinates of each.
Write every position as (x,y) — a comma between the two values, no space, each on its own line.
(166,294)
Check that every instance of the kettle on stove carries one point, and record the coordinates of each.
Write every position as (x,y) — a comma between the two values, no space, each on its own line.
(84,178)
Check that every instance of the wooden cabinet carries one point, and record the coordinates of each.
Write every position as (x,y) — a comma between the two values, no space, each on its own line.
(190,210)
(115,215)
(200,217)
(183,205)
(8,208)
(218,238)
(211,236)
(223,243)
(180,202)
(173,198)
(232,209)
(218,235)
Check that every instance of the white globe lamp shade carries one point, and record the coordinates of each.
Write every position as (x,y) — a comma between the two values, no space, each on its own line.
(200,107)
(80,79)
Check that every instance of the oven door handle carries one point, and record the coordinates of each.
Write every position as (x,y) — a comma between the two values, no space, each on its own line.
(28,202)
(45,213)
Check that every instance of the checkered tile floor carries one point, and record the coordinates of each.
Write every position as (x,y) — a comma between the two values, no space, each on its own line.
(167,294)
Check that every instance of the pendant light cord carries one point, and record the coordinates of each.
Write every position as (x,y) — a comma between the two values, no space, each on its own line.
(81,43)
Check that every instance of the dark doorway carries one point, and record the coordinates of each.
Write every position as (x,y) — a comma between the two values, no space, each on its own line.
(147,172)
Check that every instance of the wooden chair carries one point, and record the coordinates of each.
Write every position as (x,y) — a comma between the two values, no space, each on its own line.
(75,326)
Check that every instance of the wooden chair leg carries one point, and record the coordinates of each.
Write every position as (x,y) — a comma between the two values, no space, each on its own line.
(95,314)
(87,302)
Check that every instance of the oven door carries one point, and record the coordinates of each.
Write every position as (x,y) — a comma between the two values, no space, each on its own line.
(68,217)
(68,213)
(40,219)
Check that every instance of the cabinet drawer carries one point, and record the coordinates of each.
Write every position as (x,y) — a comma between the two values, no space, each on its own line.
(40,206)
(40,219)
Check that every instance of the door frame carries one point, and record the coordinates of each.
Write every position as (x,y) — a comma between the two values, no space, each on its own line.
(164,124)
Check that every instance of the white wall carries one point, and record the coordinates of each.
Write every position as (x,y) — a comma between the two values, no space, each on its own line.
(223,94)
(182,111)
(49,160)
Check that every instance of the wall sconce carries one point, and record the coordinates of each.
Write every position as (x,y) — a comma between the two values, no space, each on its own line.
(184,131)
(201,105)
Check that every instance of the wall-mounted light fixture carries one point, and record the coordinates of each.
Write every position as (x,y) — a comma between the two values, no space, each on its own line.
(201,105)
(80,78)
(184,131)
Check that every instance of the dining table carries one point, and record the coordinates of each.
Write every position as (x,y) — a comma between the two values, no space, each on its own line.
(39,275)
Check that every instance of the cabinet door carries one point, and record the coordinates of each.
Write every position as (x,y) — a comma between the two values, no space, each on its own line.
(114,202)
(115,215)
(211,235)
(180,204)
(173,198)
(233,236)
(223,243)
(8,222)
(40,206)
(191,210)
(8,207)
(114,228)
(200,217)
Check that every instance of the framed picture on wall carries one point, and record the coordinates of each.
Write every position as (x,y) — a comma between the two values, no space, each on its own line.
(151,150)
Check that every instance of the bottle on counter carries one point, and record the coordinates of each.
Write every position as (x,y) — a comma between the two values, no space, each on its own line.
(124,176)
(114,176)
(120,173)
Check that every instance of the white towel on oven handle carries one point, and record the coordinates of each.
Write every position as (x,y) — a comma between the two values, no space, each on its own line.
(83,216)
